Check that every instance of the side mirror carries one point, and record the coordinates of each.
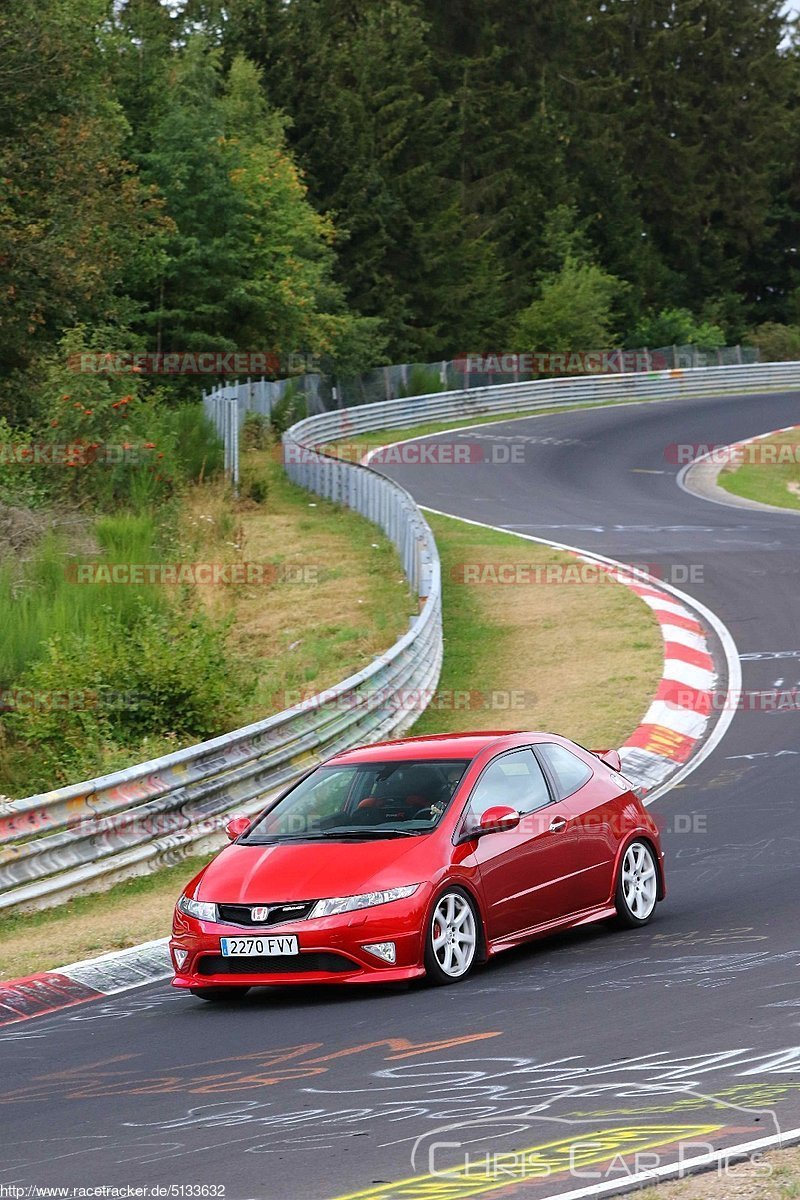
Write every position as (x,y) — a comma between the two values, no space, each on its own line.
(498,819)
(611,758)
(236,827)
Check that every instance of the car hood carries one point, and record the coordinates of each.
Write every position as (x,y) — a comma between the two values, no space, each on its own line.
(243,874)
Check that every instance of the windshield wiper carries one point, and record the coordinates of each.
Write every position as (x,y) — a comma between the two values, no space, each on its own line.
(369,831)
(331,835)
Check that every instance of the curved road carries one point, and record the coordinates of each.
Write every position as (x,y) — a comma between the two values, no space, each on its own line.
(564,1055)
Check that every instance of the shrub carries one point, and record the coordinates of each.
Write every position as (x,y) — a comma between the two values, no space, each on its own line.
(290,409)
(255,431)
(120,442)
(254,484)
(42,600)
(166,674)
(422,381)
(573,311)
(676,327)
(776,343)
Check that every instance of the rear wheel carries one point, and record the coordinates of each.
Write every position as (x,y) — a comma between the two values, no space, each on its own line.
(637,885)
(219,993)
(452,938)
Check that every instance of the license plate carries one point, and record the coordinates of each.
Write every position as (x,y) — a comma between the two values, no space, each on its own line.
(262,947)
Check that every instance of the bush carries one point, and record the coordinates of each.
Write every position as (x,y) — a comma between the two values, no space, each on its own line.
(197,449)
(116,441)
(573,312)
(290,409)
(166,675)
(675,327)
(776,343)
(256,433)
(422,381)
(254,484)
(43,601)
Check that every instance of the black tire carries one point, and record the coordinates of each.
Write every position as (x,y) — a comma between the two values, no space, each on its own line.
(219,993)
(452,959)
(637,885)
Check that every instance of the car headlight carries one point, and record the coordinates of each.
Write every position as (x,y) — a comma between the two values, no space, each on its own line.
(201,909)
(345,904)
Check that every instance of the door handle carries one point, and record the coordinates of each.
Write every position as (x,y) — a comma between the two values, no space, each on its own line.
(558,824)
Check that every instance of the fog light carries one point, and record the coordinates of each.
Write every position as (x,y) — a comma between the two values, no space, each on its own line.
(384,950)
(180,957)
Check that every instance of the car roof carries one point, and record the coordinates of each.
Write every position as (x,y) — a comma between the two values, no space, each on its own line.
(437,745)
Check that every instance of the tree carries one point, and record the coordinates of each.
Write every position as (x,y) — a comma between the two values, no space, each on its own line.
(374,131)
(693,94)
(250,263)
(676,327)
(77,224)
(572,313)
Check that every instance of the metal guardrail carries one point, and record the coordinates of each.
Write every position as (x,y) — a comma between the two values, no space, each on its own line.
(91,834)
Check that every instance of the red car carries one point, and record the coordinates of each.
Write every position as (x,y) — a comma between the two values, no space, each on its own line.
(418,857)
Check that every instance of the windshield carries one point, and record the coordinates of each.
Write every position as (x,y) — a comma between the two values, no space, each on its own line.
(366,800)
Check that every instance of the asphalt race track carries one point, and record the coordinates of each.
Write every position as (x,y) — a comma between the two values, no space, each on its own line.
(651,1044)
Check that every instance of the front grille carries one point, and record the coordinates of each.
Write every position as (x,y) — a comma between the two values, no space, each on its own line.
(240,914)
(284,964)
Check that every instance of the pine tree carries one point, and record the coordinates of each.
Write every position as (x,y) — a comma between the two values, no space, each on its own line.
(695,93)
(375,134)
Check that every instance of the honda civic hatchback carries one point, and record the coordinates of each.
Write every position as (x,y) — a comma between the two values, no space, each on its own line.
(420,857)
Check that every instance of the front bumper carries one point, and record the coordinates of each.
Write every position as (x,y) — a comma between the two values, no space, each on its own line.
(331,950)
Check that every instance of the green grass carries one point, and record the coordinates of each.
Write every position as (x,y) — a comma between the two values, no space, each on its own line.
(40,600)
(767,483)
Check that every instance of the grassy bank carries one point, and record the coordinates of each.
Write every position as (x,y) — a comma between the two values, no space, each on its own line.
(775,478)
(106,674)
(581,659)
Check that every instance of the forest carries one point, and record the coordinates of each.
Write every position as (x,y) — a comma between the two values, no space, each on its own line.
(375,181)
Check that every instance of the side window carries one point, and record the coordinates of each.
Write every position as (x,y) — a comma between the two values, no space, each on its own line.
(514,779)
(569,771)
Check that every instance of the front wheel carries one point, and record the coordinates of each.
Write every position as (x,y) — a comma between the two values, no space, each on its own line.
(637,885)
(451,943)
(219,993)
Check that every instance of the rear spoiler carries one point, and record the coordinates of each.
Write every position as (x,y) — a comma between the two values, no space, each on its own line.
(610,757)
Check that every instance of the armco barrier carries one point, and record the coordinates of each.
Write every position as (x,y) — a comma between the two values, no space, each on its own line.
(90,834)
